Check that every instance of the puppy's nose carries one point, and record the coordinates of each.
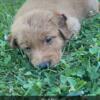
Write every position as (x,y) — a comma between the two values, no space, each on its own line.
(44,64)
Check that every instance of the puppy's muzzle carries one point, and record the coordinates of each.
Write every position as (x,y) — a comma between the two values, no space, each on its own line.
(44,65)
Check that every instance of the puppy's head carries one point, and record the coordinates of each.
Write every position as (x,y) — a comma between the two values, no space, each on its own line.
(41,35)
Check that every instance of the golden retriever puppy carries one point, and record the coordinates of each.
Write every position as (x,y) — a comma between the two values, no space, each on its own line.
(41,27)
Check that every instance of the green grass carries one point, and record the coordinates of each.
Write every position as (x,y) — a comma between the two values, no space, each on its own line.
(77,73)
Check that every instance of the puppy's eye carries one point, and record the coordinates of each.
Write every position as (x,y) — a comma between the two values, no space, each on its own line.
(48,40)
(27,48)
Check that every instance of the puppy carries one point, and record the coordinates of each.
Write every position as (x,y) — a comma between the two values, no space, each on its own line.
(41,27)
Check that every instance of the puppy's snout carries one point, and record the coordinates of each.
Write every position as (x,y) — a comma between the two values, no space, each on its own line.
(45,64)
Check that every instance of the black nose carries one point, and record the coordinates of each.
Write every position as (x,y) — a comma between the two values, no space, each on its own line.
(45,64)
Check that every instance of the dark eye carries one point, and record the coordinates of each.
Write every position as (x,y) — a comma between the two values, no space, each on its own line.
(27,48)
(48,40)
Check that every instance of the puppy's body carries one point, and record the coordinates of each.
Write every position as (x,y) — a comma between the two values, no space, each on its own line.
(41,27)
(74,8)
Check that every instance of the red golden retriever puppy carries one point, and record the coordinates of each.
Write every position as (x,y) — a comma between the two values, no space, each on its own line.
(41,27)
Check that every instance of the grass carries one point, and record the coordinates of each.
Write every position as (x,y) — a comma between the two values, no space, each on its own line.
(78,72)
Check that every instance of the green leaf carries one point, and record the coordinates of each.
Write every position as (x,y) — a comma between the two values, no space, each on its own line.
(94,50)
(71,81)
(63,79)
(79,93)
(7,59)
(28,73)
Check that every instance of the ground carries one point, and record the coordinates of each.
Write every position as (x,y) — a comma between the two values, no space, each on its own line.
(78,72)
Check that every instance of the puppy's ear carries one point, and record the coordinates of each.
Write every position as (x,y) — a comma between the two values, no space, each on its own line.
(62,26)
(60,21)
(67,26)
(12,41)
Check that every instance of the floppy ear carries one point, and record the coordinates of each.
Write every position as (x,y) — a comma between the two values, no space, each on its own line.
(60,21)
(12,41)
(62,27)
(67,26)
